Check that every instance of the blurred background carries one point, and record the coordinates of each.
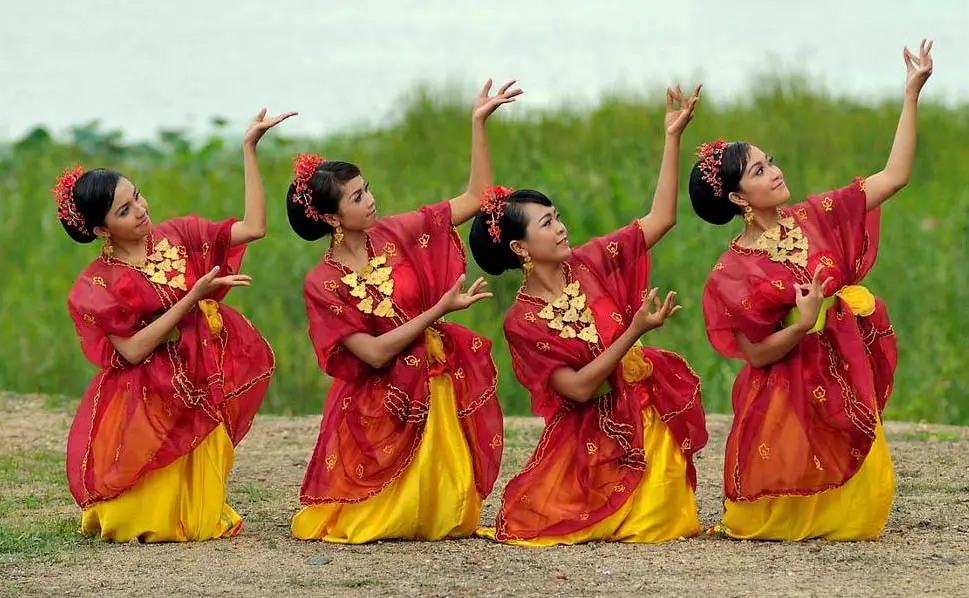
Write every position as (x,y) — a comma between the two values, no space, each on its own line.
(163,92)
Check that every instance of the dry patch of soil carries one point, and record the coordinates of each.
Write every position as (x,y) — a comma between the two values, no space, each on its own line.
(925,549)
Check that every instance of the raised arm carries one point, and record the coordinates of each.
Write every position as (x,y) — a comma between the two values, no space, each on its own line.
(253,224)
(662,213)
(465,206)
(882,185)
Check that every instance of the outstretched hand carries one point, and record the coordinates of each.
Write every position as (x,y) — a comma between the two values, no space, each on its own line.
(211,282)
(261,124)
(808,298)
(679,112)
(456,300)
(918,69)
(485,104)
(653,313)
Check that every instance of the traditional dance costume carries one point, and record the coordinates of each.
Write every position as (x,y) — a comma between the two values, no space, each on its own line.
(619,467)
(151,446)
(806,456)
(410,450)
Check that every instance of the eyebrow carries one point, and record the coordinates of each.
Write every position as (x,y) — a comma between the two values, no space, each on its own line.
(360,190)
(750,168)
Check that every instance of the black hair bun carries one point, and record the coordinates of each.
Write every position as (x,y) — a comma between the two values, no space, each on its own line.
(77,235)
(304,226)
(493,258)
(713,209)
(91,195)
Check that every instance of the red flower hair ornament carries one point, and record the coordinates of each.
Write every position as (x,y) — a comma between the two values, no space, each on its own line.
(63,192)
(304,167)
(710,156)
(493,202)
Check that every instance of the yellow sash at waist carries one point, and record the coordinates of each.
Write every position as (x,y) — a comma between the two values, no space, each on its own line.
(210,309)
(859,300)
(635,368)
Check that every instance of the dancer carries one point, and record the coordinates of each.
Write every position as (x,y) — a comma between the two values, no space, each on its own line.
(622,421)
(411,437)
(806,456)
(181,375)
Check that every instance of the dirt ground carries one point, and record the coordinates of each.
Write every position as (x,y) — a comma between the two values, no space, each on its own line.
(924,551)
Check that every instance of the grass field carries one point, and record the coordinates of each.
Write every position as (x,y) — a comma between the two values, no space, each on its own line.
(599,165)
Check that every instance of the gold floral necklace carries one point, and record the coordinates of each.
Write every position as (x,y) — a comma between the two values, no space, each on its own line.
(784,242)
(570,316)
(375,274)
(569,313)
(164,263)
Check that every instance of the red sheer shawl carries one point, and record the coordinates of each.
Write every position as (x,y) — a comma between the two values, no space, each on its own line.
(137,418)
(590,457)
(806,423)
(373,420)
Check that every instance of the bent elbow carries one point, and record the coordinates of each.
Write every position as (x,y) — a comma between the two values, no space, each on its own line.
(755,358)
(896,179)
(254,233)
(378,360)
(761,360)
(377,363)
(131,357)
(756,362)
(250,232)
(576,394)
(661,224)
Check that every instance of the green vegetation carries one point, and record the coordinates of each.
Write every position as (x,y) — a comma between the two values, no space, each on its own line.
(599,165)
(37,514)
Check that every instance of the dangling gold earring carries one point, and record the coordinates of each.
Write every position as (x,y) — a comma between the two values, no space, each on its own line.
(337,236)
(527,265)
(108,248)
(748,214)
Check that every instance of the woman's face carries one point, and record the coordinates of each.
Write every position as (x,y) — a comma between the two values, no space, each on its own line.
(762,183)
(357,209)
(546,238)
(128,218)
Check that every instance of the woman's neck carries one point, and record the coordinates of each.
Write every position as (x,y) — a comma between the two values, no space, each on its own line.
(352,251)
(546,281)
(132,252)
(764,220)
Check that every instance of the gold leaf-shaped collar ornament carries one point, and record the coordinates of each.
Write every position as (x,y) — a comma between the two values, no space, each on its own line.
(564,316)
(377,275)
(784,242)
(165,264)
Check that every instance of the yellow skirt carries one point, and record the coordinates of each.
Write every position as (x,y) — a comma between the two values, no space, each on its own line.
(858,510)
(434,499)
(182,502)
(662,508)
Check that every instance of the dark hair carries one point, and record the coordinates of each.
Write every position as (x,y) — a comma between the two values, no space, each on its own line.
(713,209)
(324,188)
(495,258)
(93,196)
